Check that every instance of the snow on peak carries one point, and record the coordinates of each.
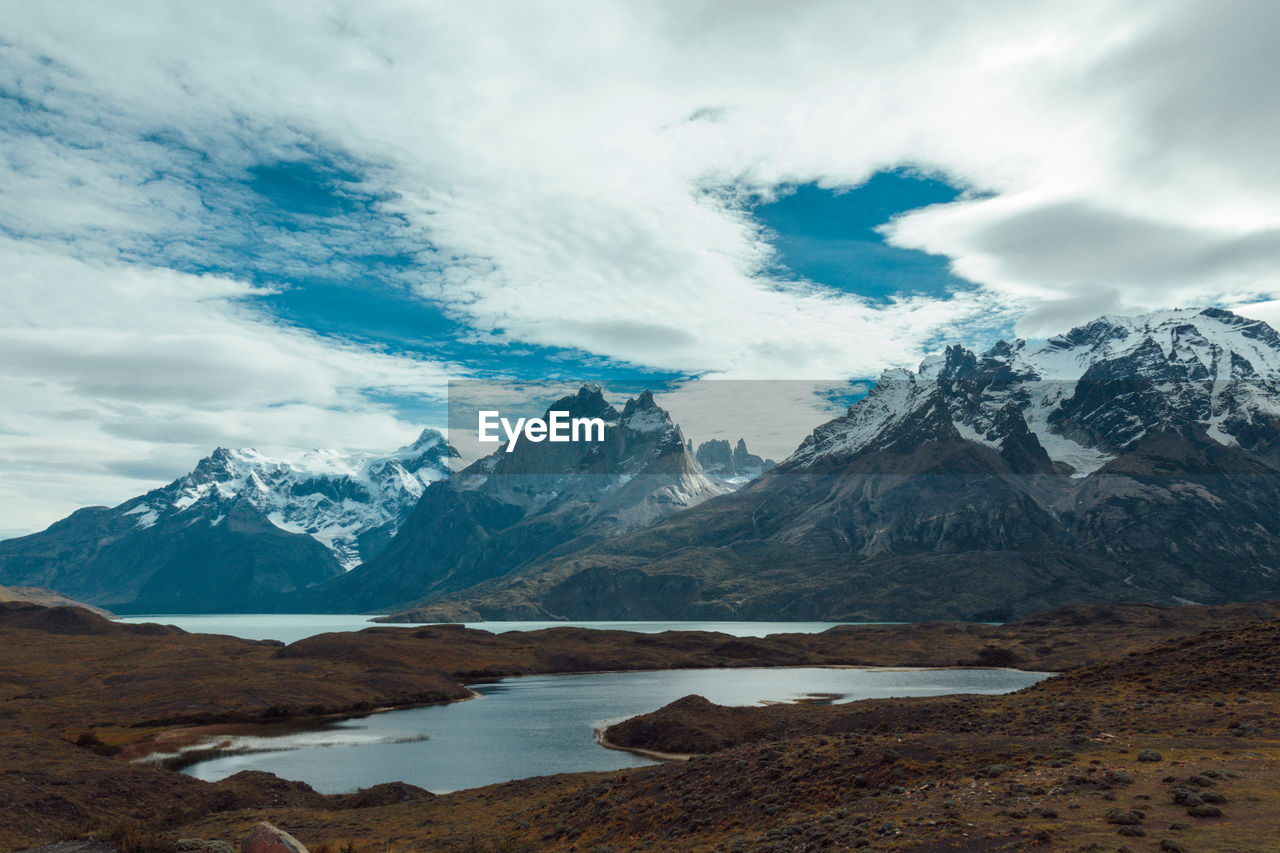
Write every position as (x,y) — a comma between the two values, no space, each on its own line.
(1086,395)
(643,414)
(646,420)
(333,496)
(1187,337)
(426,440)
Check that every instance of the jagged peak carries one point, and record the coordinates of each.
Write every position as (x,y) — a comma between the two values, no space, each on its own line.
(427,439)
(220,456)
(587,402)
(1204,349)
(1121,324)
(1005,349)
(226,462)
(1184,334)
(429,447)
(643,414)
(333,495)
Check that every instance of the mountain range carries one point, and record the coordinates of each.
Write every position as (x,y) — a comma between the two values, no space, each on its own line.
(232,535)
(245,531)
(508,510)
(1132,458)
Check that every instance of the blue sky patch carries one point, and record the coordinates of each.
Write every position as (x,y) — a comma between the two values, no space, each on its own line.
(306,188)
(829,236)
(367,308)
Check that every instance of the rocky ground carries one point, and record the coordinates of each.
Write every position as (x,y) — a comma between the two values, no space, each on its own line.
(1161,735)
(45,597)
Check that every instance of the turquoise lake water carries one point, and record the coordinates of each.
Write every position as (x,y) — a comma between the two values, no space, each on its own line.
(289,628)
(538,725)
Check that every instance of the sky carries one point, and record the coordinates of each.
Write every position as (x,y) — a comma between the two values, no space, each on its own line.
(289,225)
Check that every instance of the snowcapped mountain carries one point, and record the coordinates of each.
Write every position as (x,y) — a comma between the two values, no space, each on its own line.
(1087,396)
(640,472)
(1132,458)
(351,503)
(507,509)
(235,533)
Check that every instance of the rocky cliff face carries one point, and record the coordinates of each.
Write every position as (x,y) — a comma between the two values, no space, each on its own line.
(1132,458)
(508,509)
(731,465)
(238,530)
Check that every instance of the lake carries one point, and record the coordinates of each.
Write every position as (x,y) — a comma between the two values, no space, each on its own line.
(538,725)
(291,627)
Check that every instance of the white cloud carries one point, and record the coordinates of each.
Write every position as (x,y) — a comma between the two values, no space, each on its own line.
(559,157)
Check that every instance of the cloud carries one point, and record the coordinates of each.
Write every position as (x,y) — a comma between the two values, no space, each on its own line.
(1074,260)
(574,175)
(554,166)
(772,416)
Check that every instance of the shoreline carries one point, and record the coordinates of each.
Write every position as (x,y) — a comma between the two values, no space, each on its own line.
(1152,685)
(181,740)
(183,746)
(637,750)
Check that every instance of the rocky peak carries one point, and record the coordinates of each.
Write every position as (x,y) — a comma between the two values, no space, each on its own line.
(643,454)
(332,496)
(1083,397)
(716,458)
(588,402)
(731,464)
(643,414)
(429,450)
(216,465)
(426,440)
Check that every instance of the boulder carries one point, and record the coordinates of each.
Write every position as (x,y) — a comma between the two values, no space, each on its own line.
(265,838)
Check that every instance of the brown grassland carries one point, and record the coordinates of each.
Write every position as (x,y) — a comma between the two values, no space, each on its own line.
(1163,733)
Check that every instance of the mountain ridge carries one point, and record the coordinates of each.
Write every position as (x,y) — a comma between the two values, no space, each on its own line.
(235,532)
(1129,458)
(980,486)
(507,509)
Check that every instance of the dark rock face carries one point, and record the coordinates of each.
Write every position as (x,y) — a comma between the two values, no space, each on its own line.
(627,593)
(540,500)
(1131,459)
(716,457)
(747,463)
(731,464)
(203,561)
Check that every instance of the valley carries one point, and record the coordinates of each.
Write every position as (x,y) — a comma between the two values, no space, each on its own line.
(1195,684)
